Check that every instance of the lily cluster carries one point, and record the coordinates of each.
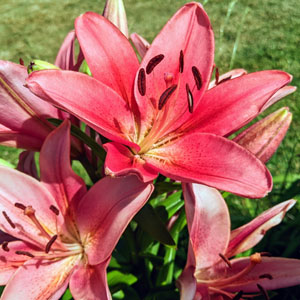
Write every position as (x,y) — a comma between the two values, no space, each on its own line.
(161,115)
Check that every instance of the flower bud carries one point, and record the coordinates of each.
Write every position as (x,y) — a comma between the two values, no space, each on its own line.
(264,137)
(37,65)
(114,11)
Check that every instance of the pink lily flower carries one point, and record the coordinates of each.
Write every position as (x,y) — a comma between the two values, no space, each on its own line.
(209,272)
(160,115)
(65,234)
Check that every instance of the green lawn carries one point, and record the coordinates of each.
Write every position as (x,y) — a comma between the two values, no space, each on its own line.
(253,35)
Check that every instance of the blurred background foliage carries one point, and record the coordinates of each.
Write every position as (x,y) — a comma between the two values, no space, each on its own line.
(250,34)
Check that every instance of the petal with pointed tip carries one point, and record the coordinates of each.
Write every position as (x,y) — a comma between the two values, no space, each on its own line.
(106,210)
(88,99)
(113,66)
(285,272)
(213,161)
(140,44)
(234,103)
(208,223)
(120,161)
(90,282)
(248,235)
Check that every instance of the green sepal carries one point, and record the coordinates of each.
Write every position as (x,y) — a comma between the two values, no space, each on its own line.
(38,65)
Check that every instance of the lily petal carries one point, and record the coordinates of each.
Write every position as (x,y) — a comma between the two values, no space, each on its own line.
(56,171)
(113,66)
(187,284)
(284,272)
(232,104)
(140,44)
(106,210)
(91,101)
(248,235)
(27,164)
(208,223)
(228,75)
(42,280)
(120,161)
(90,282)
(213,161)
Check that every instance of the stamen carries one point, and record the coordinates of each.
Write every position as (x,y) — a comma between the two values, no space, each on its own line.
(224,80)
(189,98)
(166,95)
(197,77)
(154,62)
(19,252)
(5,246)
(263,291)
(226,260)
(20,205)
(269,276)
(54,209)
(21,61)
(181,62)
(10,222)
(217,75)
(142,82)
(238,296)
(50,243)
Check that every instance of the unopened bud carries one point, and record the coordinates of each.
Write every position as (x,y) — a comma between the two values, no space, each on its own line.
(264,137)
(114,11)
(38,65)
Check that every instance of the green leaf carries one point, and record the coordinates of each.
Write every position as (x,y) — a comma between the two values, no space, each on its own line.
(173,203)
(67,295)
(150,222)
(6,163)
(116,277)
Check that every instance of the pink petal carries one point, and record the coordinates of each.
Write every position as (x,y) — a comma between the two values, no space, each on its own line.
(208,223)
(285,272)
(264,137)
(27,164)
(17,187)
(248,235)
(181,33)
(213,161)
(108,53)
(140,44)
(10,261)
(91,101)
(234,103)
(187,284)
(121,161)
(90,282)
(40,280)
(66,187)
(228,75)
(106,210)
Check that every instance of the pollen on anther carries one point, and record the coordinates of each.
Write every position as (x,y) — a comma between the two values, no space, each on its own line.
(166,95)
(238,296)
(19,252)
(10,222)
(50,243)
(190,98)
(4,246)
(217,75)
(20,205)
(268,276)
(197,77)
(226,260)
(154,62)
(181,61)
(142,82)
(54,209)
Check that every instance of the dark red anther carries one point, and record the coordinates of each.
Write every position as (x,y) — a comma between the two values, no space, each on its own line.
(154,61)
(19,252)
(217,75)
(197,77)
(181,62)
(21,61)
(224,80)
(54,209)
(269,276)
(263,291)
(4,246)
(166,95)
(190,98)
(238,296)
(226,260)
(142,82)
(50,243)
(20,205)
(10,222)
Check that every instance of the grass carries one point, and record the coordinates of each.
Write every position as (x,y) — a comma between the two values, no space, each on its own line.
(267,38)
